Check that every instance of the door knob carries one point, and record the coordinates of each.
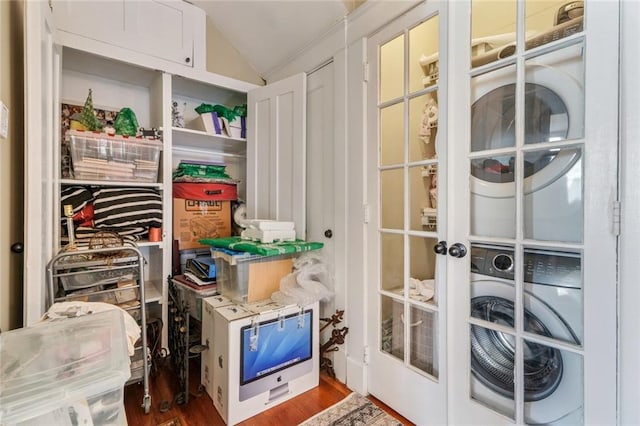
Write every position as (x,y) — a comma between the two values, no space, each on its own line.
(458,250)
(17,247)
(441,247)
(328,233)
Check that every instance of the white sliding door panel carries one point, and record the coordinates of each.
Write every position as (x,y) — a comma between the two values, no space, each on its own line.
(276,152)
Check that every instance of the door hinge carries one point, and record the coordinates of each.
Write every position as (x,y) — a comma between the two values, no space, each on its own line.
(365,72)
(616,218)
(365,355)
(366,214)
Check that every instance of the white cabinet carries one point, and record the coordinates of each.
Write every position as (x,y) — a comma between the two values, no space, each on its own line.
(166,29)
(61,71)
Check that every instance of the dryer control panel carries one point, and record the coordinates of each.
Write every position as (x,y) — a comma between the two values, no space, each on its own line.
(545,267)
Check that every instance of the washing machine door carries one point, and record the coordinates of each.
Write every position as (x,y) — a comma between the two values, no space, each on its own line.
(549,378)
(554,110)
(493,127)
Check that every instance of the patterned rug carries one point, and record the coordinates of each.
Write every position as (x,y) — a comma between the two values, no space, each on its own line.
(355,409)
(173,422)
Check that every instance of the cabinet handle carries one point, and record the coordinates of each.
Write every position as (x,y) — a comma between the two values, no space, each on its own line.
(187,59)
(328,233)
(17,247)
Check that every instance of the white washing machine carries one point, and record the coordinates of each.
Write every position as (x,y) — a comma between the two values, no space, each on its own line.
(554,110)
(553,380)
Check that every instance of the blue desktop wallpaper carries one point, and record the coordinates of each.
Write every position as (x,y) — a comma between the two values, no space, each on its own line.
(276,348)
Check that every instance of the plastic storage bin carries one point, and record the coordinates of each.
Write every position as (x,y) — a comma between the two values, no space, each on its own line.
(99,156)
(80,275)
(247,278)
(65,372)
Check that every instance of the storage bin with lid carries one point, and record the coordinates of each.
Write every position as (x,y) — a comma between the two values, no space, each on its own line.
(100,156)
(65,371)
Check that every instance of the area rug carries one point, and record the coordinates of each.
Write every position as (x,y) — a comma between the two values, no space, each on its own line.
(355,409)
(173,422)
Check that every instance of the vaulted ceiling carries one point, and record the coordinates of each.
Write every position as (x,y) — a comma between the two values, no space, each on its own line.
(267,33)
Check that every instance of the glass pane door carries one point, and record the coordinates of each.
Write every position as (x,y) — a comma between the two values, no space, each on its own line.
(408,176)
(408,199)
(528,290)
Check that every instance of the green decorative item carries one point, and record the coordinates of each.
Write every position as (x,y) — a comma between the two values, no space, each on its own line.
(221,110)
(240,110)
(126,123)
(88,115)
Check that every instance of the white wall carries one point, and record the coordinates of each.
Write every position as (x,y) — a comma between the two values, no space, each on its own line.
(224,59)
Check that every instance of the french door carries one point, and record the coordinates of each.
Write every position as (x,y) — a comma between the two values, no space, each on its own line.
(407,181)
(492,138)
(533,190)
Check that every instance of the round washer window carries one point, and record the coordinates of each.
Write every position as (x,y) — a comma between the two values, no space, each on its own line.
(493,352)
(493,118)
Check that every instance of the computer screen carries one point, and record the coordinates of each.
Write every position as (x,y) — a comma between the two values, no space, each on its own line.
(282,345)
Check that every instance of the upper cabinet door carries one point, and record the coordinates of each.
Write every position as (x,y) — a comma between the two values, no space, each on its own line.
(159,28)
(42,72)
(276,152)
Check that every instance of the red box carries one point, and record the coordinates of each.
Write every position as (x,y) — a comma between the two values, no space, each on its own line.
(201,210)
(205,191)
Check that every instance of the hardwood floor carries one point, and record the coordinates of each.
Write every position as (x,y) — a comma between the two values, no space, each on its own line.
(200,410)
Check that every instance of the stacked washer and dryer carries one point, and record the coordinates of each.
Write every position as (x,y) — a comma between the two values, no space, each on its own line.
(552,211)
(552,305)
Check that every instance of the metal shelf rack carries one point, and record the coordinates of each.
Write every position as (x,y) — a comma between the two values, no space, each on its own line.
(92,276)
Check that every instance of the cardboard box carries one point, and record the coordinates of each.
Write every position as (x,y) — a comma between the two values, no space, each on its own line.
(236,128)
(194,220)
(207,361)
(208,122)
(230,399)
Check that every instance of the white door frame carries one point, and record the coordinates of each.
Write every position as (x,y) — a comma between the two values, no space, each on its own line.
(629,370)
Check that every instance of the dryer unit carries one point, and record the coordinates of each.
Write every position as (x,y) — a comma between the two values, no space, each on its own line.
(552,302)
(553,111)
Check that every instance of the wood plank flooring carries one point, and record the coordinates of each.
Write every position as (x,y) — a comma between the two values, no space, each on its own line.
(200,410)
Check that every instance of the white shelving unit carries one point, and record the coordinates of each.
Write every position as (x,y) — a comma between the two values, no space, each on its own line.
(63,64)
(78,60)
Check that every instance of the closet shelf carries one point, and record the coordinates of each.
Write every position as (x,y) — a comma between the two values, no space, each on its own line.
(110,183)
(189,139)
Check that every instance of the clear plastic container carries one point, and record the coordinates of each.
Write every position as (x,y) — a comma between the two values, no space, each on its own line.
(247,278)
(65,372)
(99,156)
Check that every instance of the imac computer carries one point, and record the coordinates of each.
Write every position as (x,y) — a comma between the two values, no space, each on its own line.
(274,352)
